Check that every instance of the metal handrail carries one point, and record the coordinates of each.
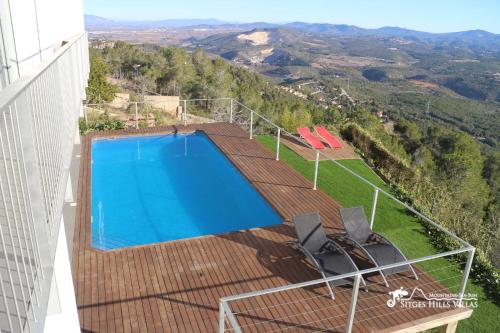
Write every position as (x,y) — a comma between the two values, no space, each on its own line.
(225,311)
(281,131)
(38,122)
(466,247)
(224,301)
(342,276)
(180,100)
(12,91)
(375,187)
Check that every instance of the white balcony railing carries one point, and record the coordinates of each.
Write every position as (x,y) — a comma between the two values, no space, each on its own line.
(359,308)
(38,121)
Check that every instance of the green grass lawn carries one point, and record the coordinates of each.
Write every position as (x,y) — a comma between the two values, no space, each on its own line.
(393,221)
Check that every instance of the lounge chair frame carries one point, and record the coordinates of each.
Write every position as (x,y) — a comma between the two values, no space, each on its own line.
(330,246)
(374,238)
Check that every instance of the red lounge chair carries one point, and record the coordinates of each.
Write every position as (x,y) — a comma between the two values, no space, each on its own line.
(330,139)
(310,138)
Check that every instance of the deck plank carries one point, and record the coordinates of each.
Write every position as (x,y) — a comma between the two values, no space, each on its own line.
(176,286)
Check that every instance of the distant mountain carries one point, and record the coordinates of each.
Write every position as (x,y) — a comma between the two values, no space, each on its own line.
(97,21)
(252,25)
(460,70)
(469,35)
(472,38)
(326,28)
(174,23)
(92,21)
(252,40)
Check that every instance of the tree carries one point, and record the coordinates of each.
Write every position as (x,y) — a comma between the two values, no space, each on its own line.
(411,134)
(290,121)
(99,89)
(333,115)
(491,172)
(287,120)
(423,160)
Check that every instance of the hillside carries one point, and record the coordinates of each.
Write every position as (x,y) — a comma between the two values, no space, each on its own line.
(447,78)
(443,171)
(454,73)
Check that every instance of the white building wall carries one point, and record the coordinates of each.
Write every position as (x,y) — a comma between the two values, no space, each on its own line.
(62,315)
(30,32)
(33,29)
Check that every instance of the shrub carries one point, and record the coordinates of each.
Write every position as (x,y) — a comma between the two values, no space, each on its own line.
(411,187)
(482,271)
(103,124)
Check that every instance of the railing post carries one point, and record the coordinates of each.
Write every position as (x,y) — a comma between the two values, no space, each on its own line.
(231,111)
(184,113)
(466,274)
(231,318)
(352,307)
(136,117)
(222,320)
(85,114)
(374,207)
(251,125)
(278,137)
(316,165)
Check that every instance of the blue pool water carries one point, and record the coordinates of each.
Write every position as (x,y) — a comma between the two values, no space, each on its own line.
(161,188)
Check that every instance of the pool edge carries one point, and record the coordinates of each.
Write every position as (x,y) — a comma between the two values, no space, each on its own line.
(155,131)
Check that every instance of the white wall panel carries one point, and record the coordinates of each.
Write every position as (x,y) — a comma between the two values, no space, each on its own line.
(34,29)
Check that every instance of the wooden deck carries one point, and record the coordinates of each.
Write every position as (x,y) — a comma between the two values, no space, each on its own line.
(175,286)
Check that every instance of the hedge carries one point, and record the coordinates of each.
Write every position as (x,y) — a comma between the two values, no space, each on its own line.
(398,172)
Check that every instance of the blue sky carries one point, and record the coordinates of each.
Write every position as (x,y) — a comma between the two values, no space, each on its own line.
(425,15)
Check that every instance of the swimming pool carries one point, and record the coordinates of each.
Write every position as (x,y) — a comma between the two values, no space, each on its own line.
(165,187)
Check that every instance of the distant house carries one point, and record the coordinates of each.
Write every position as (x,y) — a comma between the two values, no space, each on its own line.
(101,43)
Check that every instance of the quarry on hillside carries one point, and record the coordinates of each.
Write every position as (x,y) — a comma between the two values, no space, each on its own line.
(256,38)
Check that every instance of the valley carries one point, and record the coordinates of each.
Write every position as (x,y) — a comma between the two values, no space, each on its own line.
(451,79)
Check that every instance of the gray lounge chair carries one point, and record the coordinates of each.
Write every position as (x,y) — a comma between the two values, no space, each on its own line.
(326,255)
(379,250)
